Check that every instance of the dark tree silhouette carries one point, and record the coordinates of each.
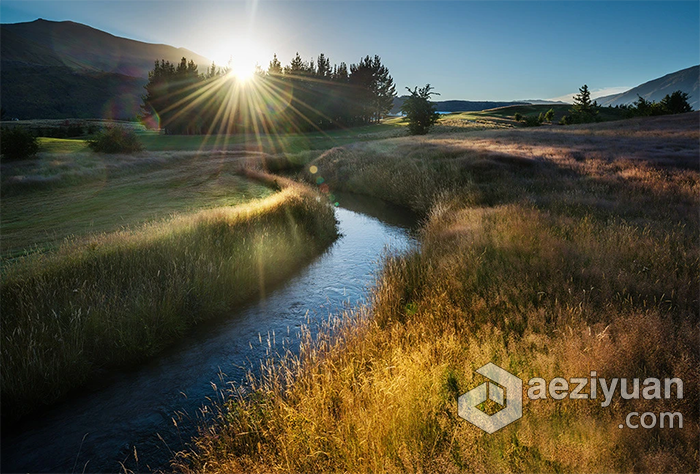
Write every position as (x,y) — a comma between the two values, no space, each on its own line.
(420,111)
(584,110)
(17,143)
(676,103)
(299,97)
(275,67)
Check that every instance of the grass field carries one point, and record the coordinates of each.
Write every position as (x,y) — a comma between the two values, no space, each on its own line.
(158,242)
(73,195)
(551,252)
(284,143)
(296,143)
(505,115)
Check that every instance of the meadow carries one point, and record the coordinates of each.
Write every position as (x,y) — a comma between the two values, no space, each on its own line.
(128,252)
(63,195)
(504,117)
(553,251)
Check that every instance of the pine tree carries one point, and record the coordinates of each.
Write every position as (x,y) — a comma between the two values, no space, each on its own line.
(213,71)
(582,100)
(373,88)
(384,89)
(323,67)
(584,110)
(275,67)
(340,73)
(296,67)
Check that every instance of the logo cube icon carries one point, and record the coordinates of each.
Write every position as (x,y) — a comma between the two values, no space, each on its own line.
(503,388)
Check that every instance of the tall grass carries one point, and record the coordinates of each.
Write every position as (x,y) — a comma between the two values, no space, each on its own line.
(554,258)
(120,297)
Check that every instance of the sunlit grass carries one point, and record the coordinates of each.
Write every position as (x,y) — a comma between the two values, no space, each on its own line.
(62,145)
(547,254)
(120,297)
(72,195)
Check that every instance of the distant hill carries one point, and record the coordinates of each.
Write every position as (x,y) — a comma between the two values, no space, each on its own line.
(64,69)
(685,80)
(544,102)
(457,105)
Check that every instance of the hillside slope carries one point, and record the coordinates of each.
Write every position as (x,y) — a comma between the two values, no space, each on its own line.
(686,80)
(84,48)
(68,70)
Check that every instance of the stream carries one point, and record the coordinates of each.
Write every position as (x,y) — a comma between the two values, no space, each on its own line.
(125,420)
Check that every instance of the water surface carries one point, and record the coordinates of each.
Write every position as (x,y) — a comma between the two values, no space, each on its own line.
(100,428)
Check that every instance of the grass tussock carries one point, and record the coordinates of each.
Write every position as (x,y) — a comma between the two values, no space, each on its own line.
(120,297)
(547,264)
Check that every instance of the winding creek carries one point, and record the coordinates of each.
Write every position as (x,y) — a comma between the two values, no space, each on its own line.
(100,428)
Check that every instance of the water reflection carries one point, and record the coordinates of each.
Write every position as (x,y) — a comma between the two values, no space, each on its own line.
(121,413)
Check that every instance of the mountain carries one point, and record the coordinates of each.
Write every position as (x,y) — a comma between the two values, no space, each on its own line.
(457,105)
(685,80)
(64,69)
(544,102)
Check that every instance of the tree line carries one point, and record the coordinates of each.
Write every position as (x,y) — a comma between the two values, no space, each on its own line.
(585,110)
(299,97)
(673,103)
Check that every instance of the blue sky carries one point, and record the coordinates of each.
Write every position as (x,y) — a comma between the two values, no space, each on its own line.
(465,49)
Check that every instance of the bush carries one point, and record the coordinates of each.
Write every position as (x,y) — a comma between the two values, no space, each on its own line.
(518,116)
(115,140)
(420,111)
(17,143)
(549,115)
(533,121)
(674,103)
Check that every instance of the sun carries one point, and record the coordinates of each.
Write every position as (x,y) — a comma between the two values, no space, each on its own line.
(240,56)
(243,71)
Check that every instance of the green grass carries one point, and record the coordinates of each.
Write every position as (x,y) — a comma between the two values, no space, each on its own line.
(103,193)
(548,251)
(505,115)
(288,143)
(120,297)
(62,145)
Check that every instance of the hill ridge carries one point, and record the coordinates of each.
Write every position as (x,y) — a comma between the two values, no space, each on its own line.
(65,69)
(687,80)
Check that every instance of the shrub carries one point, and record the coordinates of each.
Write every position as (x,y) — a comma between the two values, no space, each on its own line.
(549,115)
(420,111)
(518,116)
(533,121)
(17,143)
(676,103)
(115,140)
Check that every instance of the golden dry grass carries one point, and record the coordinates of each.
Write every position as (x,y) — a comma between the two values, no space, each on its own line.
(549,253)
(119,297)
